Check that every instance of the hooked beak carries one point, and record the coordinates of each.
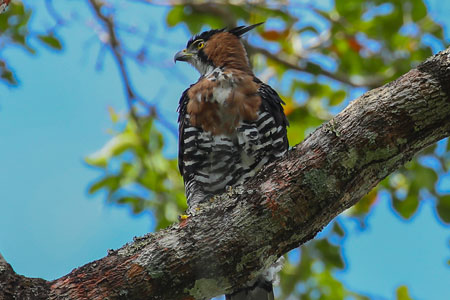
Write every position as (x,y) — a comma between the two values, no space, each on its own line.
(182,55)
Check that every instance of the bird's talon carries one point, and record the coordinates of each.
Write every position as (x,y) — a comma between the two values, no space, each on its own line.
(183,217)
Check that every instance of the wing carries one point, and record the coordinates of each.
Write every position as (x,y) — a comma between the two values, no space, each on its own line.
(182,122)
(263,140)
(193,145)
(275,129)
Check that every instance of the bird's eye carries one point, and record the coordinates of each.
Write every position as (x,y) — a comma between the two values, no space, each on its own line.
(200,45)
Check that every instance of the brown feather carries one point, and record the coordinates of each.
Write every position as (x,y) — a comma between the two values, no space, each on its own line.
(245,99)
(226,50)
(242,104)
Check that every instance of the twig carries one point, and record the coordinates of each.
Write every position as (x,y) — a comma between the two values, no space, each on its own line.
(115,47)
(54,14)
(117,50)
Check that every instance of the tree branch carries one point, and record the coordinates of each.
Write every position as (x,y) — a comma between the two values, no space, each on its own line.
(315,69)
(285,205)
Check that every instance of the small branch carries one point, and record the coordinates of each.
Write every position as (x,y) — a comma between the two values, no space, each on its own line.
(114,45)
(372,83)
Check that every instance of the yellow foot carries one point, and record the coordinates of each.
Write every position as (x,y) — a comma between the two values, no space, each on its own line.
(183,217)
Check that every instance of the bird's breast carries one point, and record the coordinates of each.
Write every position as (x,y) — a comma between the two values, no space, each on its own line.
(222,99)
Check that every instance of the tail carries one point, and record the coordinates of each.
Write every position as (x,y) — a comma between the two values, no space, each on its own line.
(261,290)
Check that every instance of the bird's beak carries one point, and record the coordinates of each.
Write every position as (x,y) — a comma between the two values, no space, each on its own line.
(182,55)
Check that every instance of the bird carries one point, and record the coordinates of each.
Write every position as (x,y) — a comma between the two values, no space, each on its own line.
(231,124)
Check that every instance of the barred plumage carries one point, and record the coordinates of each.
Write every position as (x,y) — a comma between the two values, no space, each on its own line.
(209,163)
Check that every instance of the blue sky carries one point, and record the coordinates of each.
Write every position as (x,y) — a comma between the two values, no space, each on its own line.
(59,115)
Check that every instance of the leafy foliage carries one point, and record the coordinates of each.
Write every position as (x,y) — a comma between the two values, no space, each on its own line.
(15,30)
(403,293)
(137,174)
(311,275)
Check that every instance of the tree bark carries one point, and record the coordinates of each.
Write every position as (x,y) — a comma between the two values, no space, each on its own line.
(243,231)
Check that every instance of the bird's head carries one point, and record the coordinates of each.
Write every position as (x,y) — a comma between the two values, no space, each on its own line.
(217,48)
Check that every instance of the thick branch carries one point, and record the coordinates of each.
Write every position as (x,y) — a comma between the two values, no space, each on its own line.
(244,230)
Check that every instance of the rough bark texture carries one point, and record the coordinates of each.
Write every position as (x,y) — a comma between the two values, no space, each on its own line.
(244,230)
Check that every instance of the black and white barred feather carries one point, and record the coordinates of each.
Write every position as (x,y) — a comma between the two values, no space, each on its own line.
(209,163)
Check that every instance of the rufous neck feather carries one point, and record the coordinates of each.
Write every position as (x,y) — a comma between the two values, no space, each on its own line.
(226,50)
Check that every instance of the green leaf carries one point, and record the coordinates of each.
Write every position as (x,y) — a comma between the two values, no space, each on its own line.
(406,207)
(137,203)
(349,9)
(113,114)
(17,8)
(266,12)
(8,76)
(443,208)
(175,15)
(428,25)
(418,10)
(18,38)
(111,183)
(338,229)
(50,41)
(240,11)
(403,293)
(421,176)
(330,253)
(114,147)
(337,97)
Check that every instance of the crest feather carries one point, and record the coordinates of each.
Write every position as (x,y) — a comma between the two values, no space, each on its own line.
(237,31)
